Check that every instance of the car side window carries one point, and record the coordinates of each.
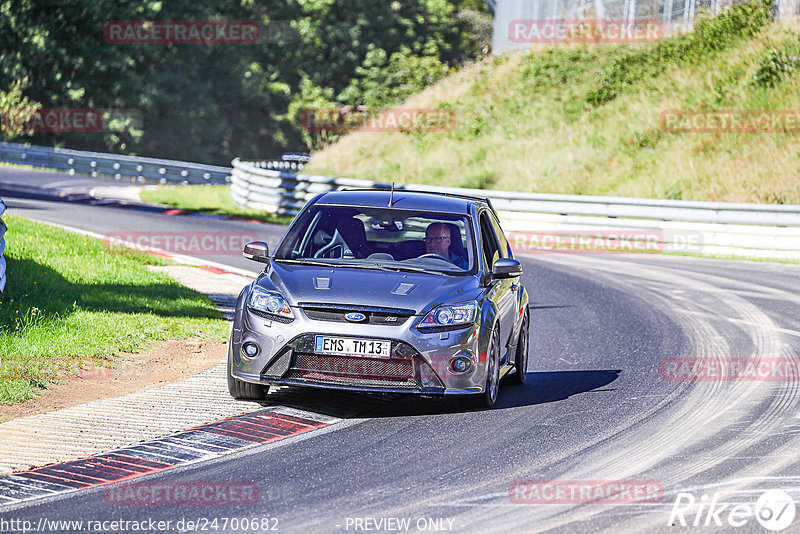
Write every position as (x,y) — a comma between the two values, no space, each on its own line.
(503,245)
(488,242)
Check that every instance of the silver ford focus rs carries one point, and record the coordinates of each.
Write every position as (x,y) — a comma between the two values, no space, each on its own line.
(384,291)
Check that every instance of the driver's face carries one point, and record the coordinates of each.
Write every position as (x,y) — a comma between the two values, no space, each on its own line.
(437,240)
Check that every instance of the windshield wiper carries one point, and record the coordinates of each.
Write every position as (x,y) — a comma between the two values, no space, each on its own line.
(409,269)
(379,266)
(318,263)
(307,262)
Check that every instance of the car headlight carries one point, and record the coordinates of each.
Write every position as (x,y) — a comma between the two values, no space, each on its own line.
(270,302)
(450,315)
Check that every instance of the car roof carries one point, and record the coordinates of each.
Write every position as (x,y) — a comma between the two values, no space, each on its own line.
(401,199)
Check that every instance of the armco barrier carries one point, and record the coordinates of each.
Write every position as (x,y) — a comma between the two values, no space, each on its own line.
(281,192)
(2,247)
(735,229)
(130,167)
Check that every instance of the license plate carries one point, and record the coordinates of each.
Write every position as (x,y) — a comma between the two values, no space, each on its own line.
(346,346)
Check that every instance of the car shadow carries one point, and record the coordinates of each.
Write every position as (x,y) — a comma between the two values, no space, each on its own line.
(553,386)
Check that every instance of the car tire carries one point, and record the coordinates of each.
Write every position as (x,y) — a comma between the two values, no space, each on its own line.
(241,390)
(492,386)
(521,355)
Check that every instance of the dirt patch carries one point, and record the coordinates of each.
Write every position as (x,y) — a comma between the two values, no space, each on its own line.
(169,361)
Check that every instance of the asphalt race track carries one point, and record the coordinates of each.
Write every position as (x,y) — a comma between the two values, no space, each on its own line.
(600,407)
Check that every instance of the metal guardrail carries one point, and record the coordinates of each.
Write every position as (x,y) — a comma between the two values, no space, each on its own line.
(737,229)
(117,166)
(2,247)
(281,192)
(279,165)
(286,192)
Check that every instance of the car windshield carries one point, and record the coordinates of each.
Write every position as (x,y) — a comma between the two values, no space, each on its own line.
(384,238)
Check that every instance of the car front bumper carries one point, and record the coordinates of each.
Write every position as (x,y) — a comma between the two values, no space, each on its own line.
(420,361)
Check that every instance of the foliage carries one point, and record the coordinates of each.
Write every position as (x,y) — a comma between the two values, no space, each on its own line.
(208,103)
(779,63)
(15,111)
(710,35)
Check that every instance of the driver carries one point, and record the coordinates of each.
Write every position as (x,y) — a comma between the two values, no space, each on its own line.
(437,241)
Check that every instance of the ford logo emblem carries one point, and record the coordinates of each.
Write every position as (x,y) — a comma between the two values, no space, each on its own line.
(355,317)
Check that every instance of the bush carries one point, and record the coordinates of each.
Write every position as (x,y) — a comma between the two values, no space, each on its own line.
(711,35)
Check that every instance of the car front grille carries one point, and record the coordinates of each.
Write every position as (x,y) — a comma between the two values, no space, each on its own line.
(313,367)
(373,383)
(374,315)
(399,372)
(361,372)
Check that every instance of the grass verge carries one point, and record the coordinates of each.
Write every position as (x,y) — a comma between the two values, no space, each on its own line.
(72,303)
(213,199)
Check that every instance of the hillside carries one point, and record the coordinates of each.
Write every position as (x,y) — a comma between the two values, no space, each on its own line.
(587,119)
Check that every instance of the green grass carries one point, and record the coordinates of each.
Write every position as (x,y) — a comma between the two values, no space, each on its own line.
(213,199)
(71,303)
(586,119)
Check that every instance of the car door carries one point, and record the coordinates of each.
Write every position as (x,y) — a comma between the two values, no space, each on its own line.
(502,292)
(516,283)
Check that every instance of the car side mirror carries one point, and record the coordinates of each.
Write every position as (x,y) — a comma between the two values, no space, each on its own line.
(256,251)
(506,268)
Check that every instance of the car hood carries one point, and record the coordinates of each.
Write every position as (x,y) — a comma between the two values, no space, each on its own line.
(368,287)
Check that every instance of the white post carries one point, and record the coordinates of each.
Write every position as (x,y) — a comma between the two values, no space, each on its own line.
(687,13)
(630,10)
(667,17)
(599,9)
(580,9)
(553,14)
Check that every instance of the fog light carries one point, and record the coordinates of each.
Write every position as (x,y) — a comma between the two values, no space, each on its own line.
(250,349)
(460,364)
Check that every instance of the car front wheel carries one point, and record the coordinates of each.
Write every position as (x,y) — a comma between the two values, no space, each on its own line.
(241,390)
